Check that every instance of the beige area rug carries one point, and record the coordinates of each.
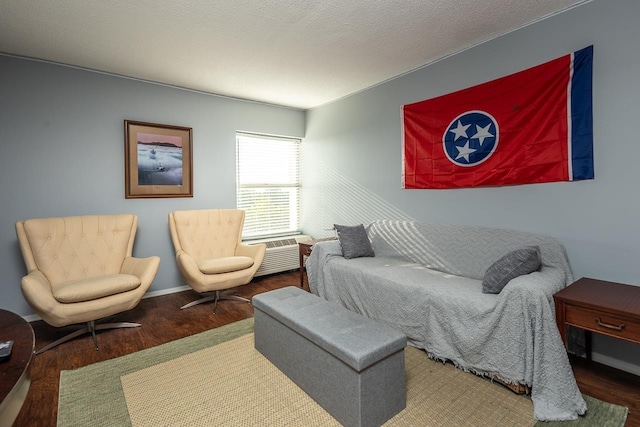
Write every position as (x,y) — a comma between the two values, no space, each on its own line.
(232,384)
(93,395)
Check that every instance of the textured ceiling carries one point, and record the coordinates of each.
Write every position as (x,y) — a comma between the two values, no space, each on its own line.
(296,53)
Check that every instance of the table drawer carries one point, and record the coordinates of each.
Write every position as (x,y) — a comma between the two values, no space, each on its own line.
(603,323)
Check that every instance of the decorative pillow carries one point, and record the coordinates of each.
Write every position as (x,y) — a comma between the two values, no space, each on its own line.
(354,241)
(515,263)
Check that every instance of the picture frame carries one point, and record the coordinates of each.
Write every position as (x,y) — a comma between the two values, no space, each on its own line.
(158,160)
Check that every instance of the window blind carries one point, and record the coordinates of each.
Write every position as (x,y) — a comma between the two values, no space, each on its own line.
(268,184)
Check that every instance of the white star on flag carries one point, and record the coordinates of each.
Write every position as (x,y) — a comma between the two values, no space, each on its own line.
(464,151)
(482,133)
(460,130)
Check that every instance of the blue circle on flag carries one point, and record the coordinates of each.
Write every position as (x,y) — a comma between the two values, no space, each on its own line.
(471,138)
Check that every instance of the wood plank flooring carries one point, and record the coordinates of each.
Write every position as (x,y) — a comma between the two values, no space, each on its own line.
(163,321)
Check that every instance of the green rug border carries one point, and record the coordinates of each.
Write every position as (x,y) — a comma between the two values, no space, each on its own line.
(105,404)
(599,414)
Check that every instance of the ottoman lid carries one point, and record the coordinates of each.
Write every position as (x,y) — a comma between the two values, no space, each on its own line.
(355,339)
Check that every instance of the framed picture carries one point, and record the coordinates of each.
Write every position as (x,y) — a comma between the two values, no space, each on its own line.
(158,160)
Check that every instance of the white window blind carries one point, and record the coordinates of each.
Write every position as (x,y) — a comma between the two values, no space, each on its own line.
(268,184)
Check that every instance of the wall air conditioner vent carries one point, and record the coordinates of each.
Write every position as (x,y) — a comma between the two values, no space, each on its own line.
(281,242)
(282,254)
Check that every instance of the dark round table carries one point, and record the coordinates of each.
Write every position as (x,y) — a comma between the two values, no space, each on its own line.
(14,371)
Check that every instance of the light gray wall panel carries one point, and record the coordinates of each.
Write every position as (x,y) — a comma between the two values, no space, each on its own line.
(62,141)
(355,144)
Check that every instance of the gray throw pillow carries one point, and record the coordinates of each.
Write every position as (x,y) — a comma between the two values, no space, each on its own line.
(354,241)
(515,263)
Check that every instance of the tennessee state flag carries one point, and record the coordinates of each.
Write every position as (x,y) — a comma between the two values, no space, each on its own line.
(529,127)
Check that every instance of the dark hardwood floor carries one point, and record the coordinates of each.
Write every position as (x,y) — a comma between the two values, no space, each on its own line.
(163,321)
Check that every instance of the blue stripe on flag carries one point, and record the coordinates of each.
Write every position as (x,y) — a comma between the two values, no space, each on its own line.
(582,115)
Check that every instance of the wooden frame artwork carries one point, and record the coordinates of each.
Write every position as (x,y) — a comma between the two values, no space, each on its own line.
(158,160)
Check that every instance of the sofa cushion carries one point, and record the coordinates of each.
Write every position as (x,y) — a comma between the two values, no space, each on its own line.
(516,263)
(94,287)
(225,264)
(354,241)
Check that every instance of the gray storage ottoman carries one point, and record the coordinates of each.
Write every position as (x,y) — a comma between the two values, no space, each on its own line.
(351,365)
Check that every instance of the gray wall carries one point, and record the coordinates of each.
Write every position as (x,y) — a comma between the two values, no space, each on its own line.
(62,142)
(353,145)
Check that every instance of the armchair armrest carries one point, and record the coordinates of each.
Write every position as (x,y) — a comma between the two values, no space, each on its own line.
(256,252)
(251,251)
(191,273)
(143,268)
(37,291)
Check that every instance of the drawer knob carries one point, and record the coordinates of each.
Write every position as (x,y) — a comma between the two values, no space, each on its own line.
(608,326)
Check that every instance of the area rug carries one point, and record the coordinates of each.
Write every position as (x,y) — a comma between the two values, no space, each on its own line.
(194,382)
(191,389)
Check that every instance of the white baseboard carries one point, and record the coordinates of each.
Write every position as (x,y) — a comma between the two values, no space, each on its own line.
(166,291)
(616,363)
(31,318)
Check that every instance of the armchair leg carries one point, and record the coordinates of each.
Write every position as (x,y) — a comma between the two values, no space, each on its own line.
(215,296)
(64,339)
(90,327)
(200,301)
(115,325)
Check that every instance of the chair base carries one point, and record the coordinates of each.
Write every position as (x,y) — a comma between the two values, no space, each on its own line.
(90,327)
(215,296)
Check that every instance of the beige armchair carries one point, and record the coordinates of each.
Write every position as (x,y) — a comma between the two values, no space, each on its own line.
(80,269)
(210,254)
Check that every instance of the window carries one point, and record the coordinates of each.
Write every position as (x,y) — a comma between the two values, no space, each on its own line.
(268,185)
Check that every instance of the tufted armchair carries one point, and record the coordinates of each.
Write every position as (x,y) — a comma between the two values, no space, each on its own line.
(80,269)
(210,254)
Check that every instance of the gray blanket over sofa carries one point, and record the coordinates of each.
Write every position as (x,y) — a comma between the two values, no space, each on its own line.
(426,280)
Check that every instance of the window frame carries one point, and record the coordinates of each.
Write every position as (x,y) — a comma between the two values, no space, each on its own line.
(286,191)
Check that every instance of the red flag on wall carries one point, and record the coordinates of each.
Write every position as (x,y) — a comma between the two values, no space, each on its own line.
(530,127)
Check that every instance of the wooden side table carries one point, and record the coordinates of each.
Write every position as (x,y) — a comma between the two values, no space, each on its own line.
(607,308)
(304,249)
(14,372)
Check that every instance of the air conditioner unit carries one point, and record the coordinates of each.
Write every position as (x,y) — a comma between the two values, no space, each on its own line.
(282,254)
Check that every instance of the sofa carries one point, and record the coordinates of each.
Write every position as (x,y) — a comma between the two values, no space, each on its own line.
(427,281)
